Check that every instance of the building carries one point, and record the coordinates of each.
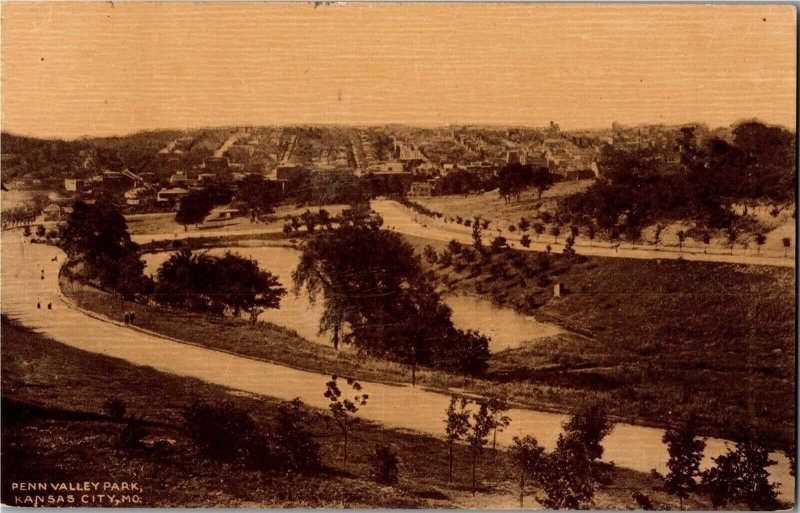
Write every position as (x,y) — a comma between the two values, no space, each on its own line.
(51,213)
(74,185)
(135,196)
(171,195)
(220,214)
(421,189)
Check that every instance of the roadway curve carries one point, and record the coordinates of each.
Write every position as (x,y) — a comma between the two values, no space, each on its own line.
(401,219)
(24,264)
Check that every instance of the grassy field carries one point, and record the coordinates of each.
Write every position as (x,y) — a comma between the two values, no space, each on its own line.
(490,205)
(56,429)
(650,336)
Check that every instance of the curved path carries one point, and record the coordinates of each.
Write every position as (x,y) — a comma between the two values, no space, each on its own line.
(635,447)
(401,219)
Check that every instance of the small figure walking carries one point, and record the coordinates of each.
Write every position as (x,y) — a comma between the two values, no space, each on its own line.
(127,318)
(132,316)
(38,305)
(49,306)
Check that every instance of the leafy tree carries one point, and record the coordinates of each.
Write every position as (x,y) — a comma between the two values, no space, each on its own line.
(477,436)
(344,409)
(685,453)
(97,235)
(310,220)
(40,230)
(456,428)
(681,237)
(430,254)
(499,243)
(258,194)
(589,426)
(26,231)
(525,240)
(760,240)
(741,475)
(194,208)
(590,232)
(529,458)
(732,236)
(499,420)
(538,228)
(201,282)
(555,231)
(524,224)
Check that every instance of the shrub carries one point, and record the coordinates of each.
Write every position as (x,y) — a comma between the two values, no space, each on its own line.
(385,465)
(132,434)
(221,432)
(295,448)
(115,408)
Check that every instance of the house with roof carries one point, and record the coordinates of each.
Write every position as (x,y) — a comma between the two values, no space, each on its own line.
(51,213)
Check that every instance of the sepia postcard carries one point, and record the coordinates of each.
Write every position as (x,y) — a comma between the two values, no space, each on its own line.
(398,255)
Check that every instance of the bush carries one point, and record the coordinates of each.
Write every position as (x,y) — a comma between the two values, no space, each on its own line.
(115,408)
(385,465)
(295,448)
(132,434)
(221,432)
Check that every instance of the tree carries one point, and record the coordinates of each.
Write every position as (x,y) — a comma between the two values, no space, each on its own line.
(657,233)
(26,231)
(40,230)
(529,458)
(456,427)
(243,286)
(525,240)
(344,409)
(478,435)
(787,243)
(760,240)
(499,420)
(555,231)
(590,232)
(538,228)
(524,224)
(259,195)
(97,235)
(732,236)
(569,473)
(310,220)
(499,243)
(194,208)
(741,475)
(681,237)
(685,454)
(430,254)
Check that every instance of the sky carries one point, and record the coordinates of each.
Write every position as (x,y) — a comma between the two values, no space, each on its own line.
(73,69)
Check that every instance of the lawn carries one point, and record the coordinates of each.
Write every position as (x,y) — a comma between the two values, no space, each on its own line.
(56,429)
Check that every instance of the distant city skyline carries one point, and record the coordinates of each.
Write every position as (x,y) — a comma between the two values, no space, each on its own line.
(97,69)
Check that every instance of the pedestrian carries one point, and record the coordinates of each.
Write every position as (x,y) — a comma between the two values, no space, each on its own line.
(133,316)
(127,318)
(49,306)
(38,305)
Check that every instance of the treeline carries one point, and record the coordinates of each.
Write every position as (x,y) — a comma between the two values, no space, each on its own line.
(637,188)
